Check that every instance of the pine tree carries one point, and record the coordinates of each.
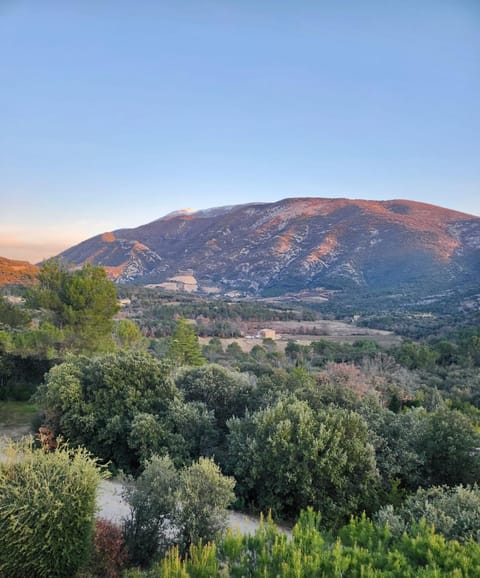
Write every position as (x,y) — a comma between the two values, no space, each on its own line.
(184,347)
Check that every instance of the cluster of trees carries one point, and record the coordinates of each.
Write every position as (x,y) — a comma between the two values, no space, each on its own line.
(290,440)
(175,507)
(65,312)
(359,549)
(342,428)
(157,313)
(48,504)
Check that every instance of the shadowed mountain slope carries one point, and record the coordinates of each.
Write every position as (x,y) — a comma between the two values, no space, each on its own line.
(295,244)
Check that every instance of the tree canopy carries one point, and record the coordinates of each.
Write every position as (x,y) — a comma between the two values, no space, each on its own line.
(184,348)
(98,403)
(288,457)
(80,303)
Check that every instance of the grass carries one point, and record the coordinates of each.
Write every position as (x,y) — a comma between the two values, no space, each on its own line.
(16,415)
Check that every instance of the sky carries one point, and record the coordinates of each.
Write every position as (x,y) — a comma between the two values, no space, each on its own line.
(114,113)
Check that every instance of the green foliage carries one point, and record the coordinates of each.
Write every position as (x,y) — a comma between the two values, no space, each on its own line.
(184,347)
(152,501)
(416,356)
(13,316)
(170,506)
(288,457)
(450,445)
(20,376)
(96,403)
(360,550)
(424,448)
(80,303)
(193,430)
(225,393)
(454,512)
(204,494)
(396,439)
(42,343)
(47,504)
(127,335)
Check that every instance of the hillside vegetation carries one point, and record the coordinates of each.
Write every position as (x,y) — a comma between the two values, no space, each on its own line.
(363,446)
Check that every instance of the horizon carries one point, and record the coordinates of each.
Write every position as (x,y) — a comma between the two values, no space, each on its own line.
(118,114)
(56,249)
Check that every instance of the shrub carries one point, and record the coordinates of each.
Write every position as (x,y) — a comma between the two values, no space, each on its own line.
(110,554)
(455,512)
(359,550)
(152,501)
(288,457)
(175,507)
(47,506)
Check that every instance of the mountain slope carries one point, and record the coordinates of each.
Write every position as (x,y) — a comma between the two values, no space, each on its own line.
(17,272)
(295,244)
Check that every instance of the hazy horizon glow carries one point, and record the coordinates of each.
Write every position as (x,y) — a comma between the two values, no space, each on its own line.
(114,114)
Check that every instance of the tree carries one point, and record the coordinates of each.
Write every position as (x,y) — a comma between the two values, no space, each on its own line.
(416,356)
(127,335)
(81,303)
(96,402)
(455,512)
(12,315)
(47,505)
(450,446)
(288,457)
(226,393)
(395,438)
(152,501)
(170,506)
(204,495)
(184,347)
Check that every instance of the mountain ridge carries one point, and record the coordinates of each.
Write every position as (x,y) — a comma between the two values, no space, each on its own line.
(294,243)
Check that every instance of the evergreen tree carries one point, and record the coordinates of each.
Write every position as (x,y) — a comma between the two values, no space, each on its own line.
(184,347)
(80,303)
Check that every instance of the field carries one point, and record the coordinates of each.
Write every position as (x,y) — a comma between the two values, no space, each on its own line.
(305,332)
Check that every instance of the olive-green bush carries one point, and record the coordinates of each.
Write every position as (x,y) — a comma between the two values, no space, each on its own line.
(47,506)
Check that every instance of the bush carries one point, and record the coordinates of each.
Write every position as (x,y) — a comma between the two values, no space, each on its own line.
(288,457)
(175,507)
(93,402)
(47,506)
(110,554)
(204,495)
(152,502)
(455,512)
(359,550)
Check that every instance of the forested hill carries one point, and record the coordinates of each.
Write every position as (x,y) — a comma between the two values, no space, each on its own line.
(295,244)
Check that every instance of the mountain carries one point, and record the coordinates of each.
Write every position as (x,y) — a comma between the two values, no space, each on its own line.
(17,272)
(294,244)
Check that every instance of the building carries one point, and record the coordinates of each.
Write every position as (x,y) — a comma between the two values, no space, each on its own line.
(267,334)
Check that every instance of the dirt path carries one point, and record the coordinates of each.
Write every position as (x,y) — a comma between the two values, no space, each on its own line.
(112,507)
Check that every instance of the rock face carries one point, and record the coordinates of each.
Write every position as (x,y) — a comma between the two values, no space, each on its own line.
(17,272)
(295,244)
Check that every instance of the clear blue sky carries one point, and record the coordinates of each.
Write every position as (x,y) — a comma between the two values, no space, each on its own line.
(113,113)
